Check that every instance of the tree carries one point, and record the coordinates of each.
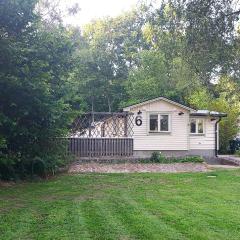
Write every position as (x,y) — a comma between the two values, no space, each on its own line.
(35,89)
(154,78)
(106,58)
(202,32)
(225,99)
(209,36)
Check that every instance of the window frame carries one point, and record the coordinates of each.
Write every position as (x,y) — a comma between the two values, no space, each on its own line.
(197,123)
(158,121)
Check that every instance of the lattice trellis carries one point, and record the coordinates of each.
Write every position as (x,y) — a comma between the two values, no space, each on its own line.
(102,124)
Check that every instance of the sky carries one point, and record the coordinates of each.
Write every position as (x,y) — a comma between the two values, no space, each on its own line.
(90,9)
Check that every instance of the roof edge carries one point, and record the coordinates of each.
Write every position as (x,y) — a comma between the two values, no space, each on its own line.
(156,99)
(211,114)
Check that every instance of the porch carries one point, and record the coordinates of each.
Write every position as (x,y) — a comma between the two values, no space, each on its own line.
(102,134)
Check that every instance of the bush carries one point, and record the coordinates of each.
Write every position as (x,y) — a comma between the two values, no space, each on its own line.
(158,157)
(237,153)
(191,159)
(38,103)
(234,145)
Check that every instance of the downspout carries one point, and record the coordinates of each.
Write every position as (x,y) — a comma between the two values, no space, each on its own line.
(216,136)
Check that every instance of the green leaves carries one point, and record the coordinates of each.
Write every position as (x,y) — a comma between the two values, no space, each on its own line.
(35,89)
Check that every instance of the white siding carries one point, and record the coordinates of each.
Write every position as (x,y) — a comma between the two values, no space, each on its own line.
(177,139)
(207,140)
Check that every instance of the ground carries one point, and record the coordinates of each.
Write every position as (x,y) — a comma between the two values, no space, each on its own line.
(137,167)
(124,206)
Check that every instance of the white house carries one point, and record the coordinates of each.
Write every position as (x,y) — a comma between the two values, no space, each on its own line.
(174,129)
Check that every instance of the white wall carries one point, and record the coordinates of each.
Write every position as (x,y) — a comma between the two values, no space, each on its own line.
(177,139)
(206,140)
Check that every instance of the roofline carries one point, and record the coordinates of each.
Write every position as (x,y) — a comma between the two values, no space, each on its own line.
(156,99)
(209,114)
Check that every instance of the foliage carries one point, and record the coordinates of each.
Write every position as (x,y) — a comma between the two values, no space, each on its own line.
(157,157)
(224,98)
(234,145)
(228,101)
(191,159)
(200,98)
(105,59)
(156,78)
(36,103)
(237,153)
(202,32)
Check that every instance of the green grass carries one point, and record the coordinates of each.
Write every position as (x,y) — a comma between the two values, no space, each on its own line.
(124,206)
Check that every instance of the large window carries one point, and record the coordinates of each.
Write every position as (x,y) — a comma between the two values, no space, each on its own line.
(196,126)
(159,122)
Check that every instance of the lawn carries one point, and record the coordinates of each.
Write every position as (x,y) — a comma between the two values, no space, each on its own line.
(124,206)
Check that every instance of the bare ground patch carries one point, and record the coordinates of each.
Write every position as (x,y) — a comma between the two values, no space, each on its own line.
(137,167)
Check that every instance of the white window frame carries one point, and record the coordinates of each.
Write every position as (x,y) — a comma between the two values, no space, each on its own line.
(197,121)
(159,115)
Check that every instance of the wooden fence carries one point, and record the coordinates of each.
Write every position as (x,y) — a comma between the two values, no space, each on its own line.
(99,147)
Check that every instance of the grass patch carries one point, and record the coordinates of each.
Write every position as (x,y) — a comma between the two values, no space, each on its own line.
(124,206)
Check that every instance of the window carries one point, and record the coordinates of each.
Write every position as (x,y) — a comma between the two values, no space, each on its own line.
(196,126)
(154,123)
(159,123)
(164,123)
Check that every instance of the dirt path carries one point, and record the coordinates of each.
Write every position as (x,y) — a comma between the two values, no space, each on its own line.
(138,167)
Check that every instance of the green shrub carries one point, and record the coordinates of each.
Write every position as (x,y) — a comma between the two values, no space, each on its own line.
(39,102)
(158,157)
(237,153)
(192,159)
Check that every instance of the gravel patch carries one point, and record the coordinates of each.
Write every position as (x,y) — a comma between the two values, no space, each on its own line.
(137,167)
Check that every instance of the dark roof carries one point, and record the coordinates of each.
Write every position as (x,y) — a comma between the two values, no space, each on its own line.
(208,113)
(161,98)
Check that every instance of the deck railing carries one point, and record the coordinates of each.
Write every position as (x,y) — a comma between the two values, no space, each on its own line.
(100,147)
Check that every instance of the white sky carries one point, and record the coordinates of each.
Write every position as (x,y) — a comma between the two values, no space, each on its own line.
(91,9)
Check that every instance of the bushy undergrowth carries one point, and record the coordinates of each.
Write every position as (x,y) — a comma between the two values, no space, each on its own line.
(237,153)
(36,96)
(44,163)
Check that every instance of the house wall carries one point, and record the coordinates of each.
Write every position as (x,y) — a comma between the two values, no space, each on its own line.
(178,142)
(205,141)
(177,139)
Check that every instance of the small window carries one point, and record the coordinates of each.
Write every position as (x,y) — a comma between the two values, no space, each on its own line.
(196,126)
(154,122)
(159,123)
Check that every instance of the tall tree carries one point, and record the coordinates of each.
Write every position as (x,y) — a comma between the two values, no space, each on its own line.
(35,105)
(108,54)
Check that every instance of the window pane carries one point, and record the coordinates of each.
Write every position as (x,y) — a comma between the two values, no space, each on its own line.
(193,126)
(164,122)
(154,122)
(200,126)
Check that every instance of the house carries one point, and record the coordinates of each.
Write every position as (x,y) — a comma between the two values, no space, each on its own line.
(174,129)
